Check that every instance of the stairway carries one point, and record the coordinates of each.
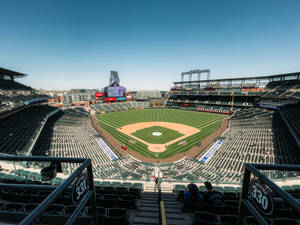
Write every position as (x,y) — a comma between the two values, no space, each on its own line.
(148,209)
(147,212)
(173,208)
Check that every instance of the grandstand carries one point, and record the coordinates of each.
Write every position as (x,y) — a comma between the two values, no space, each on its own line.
(235,92)
(14,94)
(261,138)
(19,131)
(120,106)
(69,134)
(148,94)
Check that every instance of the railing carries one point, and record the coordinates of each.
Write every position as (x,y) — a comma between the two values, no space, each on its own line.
(161,206)
(163,220)
(88,194)
(245,204)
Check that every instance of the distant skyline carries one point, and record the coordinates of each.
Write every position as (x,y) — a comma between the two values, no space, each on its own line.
(75,44)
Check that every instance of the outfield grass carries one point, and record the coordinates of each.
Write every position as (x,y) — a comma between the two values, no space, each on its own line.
(207,123)
(167,135)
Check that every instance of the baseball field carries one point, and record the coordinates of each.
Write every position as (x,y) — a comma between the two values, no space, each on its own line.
(159,133)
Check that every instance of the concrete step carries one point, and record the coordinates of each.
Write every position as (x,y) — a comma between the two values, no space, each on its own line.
(175,216)
(148,205)
(145,220)
(173,210)
(149,195)
(176,221)
(154,221)
(148,209)
(145,194)
(148,201)
(146,214)
(168,199)
(150,190)
(170,202)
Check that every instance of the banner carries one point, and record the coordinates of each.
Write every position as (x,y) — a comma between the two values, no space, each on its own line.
(211,151)
(121,99)
(98,94)
(106,148)
(110,99)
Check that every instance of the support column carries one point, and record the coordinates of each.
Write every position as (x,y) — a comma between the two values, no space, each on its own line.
(208,75)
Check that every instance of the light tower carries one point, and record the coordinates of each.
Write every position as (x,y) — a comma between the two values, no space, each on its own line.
(114,79)
(198,72)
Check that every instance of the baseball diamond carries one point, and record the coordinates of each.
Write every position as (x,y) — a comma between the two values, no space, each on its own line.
(174,125)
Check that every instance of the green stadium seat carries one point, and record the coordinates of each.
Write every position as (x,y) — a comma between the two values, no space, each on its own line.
(218,188)
(229,189)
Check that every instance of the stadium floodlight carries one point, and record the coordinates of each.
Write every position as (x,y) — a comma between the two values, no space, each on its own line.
(198,72)
(114,79)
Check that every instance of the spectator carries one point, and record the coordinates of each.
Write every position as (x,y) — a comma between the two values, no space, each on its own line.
(211,196)
(192,196)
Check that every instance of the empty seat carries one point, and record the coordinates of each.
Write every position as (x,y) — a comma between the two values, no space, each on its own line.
(285,221)
(30,207)
(250,220)
(55,209)
(13,207)
(115,216)
(205,218)
(229,219)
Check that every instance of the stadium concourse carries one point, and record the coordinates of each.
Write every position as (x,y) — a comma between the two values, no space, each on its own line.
(263,128)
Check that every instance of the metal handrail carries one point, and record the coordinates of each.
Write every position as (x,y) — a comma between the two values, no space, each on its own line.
(162,214)
(90,195)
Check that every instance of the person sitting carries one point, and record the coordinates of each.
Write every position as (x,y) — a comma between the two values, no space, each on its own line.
(192,197)
(211,196)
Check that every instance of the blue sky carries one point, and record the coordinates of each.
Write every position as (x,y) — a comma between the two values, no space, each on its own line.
(74,44)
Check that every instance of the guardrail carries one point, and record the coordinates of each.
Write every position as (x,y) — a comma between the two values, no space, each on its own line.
(162,214)
(263,203)
(163,220)
(86,195)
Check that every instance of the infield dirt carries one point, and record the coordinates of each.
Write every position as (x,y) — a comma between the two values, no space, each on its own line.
(181,128)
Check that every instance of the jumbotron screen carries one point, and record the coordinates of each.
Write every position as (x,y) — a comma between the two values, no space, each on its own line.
(116,91)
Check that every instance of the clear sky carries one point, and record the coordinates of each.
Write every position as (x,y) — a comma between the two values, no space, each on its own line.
(74,44)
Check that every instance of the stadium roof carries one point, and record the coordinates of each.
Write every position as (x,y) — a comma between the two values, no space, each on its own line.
(254,78)
(11,73)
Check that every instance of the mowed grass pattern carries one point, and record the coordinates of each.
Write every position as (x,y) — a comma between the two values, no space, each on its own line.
(166,135)
(207,123)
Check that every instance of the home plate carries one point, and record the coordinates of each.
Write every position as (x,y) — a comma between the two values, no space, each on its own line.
(156,134)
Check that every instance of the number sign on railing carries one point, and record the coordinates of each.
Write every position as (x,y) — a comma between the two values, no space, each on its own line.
(80,187)
(261,197)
